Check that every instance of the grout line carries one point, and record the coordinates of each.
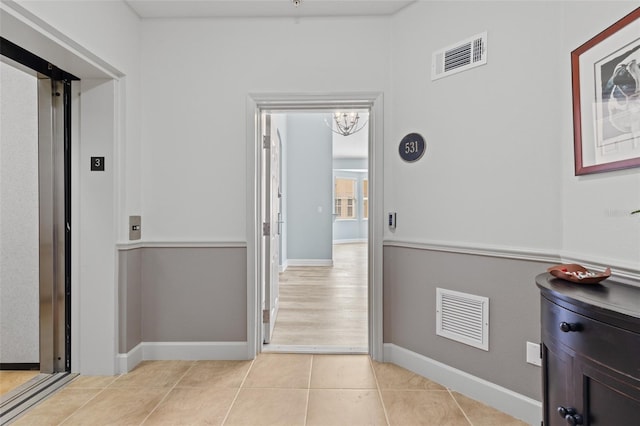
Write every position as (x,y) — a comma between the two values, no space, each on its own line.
(306,408)
(89,400)
(384,407)
(459,406)
(244,379)
(168,392)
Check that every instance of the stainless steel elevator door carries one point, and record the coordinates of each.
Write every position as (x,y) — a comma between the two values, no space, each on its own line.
(40,249)
(52,225)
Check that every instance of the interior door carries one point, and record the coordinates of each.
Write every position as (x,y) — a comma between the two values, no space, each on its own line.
(271,226)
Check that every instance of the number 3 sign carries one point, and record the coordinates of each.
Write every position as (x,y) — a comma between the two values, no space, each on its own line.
(411,147)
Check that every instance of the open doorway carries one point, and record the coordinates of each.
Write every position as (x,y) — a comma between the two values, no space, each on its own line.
(35,244)
(319,300)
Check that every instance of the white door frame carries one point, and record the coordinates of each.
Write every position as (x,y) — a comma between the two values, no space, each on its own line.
(256,103)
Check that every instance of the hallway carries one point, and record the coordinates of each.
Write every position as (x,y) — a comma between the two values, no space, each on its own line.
(324,305)
(274,389)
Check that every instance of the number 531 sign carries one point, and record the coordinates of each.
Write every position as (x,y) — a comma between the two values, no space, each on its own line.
(411,147)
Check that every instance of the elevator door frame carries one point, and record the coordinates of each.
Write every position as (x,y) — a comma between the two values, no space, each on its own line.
(54,192)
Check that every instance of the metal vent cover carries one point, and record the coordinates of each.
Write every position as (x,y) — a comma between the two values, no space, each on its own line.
(463,317)
(464,55)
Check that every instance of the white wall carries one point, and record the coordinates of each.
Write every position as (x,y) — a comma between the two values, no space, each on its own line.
(491,169)
(198,74)
(597,224)
(498,168)
(19,241)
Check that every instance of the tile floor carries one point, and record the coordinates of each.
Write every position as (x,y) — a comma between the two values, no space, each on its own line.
(274,389)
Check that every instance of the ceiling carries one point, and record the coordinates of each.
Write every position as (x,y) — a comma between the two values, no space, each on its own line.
(264,8)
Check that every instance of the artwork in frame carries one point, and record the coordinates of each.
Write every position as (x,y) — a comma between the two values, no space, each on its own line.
(606,98)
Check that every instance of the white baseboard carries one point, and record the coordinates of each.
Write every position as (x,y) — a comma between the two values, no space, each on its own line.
(310,262)
(350,241)
(188,351)
(314,349)
(503,399)
(127,362)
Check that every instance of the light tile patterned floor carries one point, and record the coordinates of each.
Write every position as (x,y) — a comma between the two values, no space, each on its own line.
(274,389)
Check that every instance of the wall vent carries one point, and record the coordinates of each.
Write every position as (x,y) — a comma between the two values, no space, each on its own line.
(463,317)
(464,55)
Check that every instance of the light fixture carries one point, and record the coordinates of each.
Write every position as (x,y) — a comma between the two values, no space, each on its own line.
(296,3)
(346,123)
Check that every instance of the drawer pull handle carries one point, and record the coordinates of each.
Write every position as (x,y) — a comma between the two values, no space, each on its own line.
(567,327)
(570,415)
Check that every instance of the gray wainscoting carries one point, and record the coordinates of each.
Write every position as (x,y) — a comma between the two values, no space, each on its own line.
(182,294)
(130,299)
(411,276)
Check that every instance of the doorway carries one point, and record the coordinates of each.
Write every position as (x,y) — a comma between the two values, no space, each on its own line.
(321,298)
(258,290)
(36,228)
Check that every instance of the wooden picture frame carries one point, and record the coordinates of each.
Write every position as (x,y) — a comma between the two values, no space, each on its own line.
(605,75)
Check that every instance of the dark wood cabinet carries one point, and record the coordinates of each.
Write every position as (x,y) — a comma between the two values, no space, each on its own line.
(590,352)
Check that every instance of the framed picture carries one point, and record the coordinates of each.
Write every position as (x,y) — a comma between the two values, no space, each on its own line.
(605,75)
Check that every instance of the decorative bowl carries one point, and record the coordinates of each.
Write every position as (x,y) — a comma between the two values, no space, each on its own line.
(578,274)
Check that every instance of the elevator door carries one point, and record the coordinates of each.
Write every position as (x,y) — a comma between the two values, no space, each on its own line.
(51,269)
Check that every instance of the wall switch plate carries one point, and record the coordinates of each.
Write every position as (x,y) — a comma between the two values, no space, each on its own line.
(135,227)
(533,354)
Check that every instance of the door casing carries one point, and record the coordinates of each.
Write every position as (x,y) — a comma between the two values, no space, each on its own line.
(256,104)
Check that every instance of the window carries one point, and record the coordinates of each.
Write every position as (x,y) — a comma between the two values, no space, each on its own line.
(365,198)
(345,198)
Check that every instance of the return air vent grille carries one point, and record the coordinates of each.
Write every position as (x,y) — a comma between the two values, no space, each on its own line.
(461,56)
(463,317)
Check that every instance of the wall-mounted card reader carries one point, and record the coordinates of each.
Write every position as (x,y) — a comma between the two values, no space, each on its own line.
(392,220)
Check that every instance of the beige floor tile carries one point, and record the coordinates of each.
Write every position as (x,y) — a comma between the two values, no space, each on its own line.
(10,380)
(154,374)
(422,408)
(193,406)
(352,407)
(57,407)
(118,407)
(279,371)
(91,382)
(483,415)
(342,372)
(215,374)
(266,407)
(391,376)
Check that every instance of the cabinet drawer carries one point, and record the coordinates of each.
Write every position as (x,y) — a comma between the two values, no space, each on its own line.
(593,339)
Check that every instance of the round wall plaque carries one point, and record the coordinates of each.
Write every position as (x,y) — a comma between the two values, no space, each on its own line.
(411,147)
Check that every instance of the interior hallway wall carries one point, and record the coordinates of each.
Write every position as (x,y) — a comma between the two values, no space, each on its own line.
(485,210)
(194,132)
(309,182)
(19,217)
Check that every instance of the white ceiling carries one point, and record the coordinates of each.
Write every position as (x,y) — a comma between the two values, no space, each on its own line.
(263,8)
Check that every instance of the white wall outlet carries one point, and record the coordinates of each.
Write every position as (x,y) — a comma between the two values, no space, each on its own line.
(533,354)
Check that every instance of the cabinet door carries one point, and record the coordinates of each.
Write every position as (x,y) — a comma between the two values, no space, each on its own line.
(558,382)
(609,398)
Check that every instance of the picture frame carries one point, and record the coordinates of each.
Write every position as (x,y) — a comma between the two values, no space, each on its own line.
(605,74)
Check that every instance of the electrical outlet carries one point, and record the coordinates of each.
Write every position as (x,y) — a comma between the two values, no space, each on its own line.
(533,354)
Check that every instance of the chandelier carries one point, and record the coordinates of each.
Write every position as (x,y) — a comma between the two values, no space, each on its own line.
(346,123)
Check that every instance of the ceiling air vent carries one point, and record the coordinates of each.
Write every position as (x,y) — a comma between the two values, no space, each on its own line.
(467,54)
